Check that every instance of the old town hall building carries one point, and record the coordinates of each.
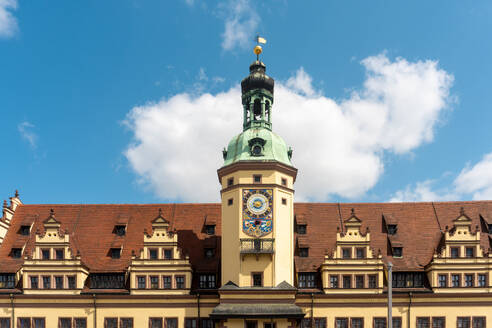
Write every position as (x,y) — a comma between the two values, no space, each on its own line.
(256,260)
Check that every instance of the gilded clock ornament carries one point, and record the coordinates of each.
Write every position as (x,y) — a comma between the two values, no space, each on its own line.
(257,212)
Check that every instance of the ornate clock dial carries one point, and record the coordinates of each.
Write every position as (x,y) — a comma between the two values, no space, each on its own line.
(257,212)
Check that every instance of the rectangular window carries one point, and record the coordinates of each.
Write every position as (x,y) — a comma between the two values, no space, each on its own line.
(230,182)
(478,322)
(443,280)
(482,282)
(16,253)
(251,324)
(284,201)
(168,254)
(110,322)
(7,281)
(208,323)
(379,322)
(80,322)
(59,282)
(46,282)
(408,279)
(356,323)
(455,278)
(359,281)
(71,282)
(230,201)
(397,251)
(4,322)
(171,322)
(34,282)
(333,281)
(438,322)
(303,252)
(126,322)
(115,253)
(207,281)
(257,279)
(65,322)
(469,252)
(153,254)
(463,322)
(59,254)
(341,322)
(269,325)
(360,253)
(180,282)
(166,282)
(455,252)
(190,323)
(210,229)
(155,323)
(468,280)
(347,281)
(107,280)
(319,322)
(154,282)
(284,182)
(396,322)
(257,178)
(346,253)
(301,229)
(39,323)
(45,254)
(24,323)
(307,280)
(372,283)
(423,322)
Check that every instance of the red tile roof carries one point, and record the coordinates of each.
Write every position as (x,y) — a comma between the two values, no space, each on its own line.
(91,230)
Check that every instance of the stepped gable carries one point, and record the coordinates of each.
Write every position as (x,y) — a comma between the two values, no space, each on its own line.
(91,230)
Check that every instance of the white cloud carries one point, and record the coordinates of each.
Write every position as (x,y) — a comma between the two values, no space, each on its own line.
(472,182)
(25,129)
(8,23)
(338,146)
(241,21)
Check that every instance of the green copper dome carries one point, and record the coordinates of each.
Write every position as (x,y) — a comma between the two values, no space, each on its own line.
(257,142)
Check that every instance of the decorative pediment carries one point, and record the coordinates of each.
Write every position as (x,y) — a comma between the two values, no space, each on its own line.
(160,221)
(51,221)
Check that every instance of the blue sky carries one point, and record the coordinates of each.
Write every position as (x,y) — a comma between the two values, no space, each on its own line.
(103,101)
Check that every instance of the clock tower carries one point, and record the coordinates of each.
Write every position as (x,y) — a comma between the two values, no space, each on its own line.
(257,194)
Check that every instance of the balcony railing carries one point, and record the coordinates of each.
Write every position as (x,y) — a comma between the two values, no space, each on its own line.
(257,246)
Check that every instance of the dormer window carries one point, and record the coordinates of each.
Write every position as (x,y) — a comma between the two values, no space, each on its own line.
(301,229)
(304,252)
(16,253)
(59,254)
(115,253)
(490,228)
(7,280)
(397,251)
(469,252)
(168,254)
(119,230)
(360,253)
(455,252)
(392,229)
(210,229)
(346,253)
(25,230)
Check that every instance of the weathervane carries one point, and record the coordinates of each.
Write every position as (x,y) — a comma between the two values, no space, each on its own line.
(258,50)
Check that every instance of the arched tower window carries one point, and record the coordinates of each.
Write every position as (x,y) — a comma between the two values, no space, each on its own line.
(267,111)
(257,110)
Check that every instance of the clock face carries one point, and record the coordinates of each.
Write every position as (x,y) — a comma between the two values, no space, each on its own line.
(257,212)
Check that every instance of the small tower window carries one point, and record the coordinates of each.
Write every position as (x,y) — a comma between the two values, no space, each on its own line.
(284,182)
(230,182)
(257,110)
(230,201)
(284,201)
(257,178)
